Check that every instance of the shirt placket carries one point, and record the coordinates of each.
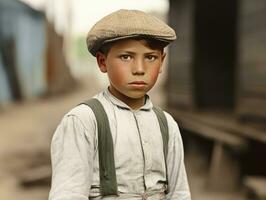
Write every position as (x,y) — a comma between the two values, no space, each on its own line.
(145,148)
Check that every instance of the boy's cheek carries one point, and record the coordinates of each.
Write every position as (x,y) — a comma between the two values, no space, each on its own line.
(117,77)
(154,74)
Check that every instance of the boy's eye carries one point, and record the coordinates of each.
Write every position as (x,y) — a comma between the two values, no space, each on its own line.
(151,57)
(125,57)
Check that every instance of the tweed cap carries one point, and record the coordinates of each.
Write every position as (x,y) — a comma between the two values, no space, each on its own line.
(124,24)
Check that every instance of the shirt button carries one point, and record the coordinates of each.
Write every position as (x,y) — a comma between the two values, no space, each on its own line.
(144,196)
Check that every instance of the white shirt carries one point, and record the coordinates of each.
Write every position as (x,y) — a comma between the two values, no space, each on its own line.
(138,153)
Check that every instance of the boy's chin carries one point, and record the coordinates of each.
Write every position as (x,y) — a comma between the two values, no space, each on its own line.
(135,95)
(129,94)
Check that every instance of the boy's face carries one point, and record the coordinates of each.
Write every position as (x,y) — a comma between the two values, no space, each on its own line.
(132,67)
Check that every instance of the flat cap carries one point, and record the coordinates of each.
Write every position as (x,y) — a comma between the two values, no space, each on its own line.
(124,24)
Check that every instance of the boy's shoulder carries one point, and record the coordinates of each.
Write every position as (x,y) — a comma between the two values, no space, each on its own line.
(80,111)
(172,123)
(83,112)
(168,116)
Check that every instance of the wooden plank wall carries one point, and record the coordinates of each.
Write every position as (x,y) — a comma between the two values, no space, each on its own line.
(251,102)
(179,80)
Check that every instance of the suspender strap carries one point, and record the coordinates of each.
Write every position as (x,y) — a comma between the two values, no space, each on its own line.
(165,134)
(108,183)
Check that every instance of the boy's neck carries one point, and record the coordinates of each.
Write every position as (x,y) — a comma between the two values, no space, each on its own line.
(133,103)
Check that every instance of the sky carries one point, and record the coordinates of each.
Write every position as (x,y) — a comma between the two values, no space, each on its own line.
(84,13)
(91,13)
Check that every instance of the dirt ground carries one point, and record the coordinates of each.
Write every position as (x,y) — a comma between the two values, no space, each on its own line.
(26,130)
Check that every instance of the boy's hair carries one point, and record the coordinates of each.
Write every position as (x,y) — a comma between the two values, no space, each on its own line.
(151,43)
(125,24)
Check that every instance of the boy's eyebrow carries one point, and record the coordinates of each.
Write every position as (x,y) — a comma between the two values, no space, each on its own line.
(152,52)
(128,52)
(146,53)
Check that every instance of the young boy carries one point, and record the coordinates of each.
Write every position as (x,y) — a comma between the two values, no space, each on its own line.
(136,161)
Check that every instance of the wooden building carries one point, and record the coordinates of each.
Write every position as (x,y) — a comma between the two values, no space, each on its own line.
(216,84)
(22,36)
(31,54)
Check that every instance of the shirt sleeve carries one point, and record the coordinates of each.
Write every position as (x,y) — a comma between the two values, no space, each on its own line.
(72,151)
(177,177)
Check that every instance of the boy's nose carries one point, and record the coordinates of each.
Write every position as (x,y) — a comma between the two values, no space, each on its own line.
(138,67)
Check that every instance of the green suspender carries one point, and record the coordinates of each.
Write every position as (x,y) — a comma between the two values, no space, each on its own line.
(165,135)
(108,183)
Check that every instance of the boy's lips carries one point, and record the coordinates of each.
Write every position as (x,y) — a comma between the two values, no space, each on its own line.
(138,84)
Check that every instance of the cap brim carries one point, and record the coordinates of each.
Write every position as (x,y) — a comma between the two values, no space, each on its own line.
(100,43)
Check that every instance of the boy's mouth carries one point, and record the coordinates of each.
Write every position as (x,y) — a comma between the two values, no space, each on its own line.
(137,83)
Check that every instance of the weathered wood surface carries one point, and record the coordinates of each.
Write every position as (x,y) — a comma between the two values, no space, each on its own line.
(179,71)
(251,96)
(221,122)
(257,186)
(230,139)
(36,176)
(224,171)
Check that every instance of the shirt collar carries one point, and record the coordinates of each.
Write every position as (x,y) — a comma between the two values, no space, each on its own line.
(147,106)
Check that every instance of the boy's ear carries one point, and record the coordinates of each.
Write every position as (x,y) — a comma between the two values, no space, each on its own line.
(163,57)
(101,60)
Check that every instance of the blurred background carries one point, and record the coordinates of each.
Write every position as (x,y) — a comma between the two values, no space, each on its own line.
(214,84)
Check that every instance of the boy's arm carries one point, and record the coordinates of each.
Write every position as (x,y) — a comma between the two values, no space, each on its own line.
(72,151)
(177,177)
